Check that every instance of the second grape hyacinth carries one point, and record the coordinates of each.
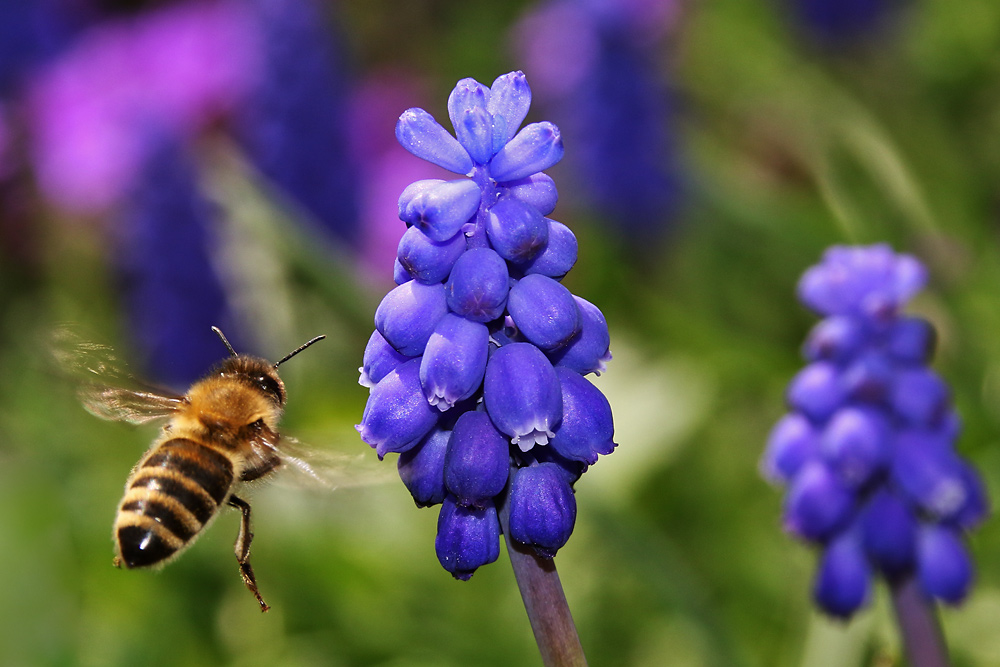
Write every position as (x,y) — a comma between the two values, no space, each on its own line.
(867,448)
(476,366)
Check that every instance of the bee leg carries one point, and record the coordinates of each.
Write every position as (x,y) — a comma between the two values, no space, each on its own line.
(242,548)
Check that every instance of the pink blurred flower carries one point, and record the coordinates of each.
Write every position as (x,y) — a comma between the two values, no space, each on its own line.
(175,68)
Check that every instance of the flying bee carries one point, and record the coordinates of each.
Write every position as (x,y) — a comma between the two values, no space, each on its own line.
(221,433)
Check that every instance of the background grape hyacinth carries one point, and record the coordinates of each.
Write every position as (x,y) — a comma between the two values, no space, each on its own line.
(476,366)
(867,449)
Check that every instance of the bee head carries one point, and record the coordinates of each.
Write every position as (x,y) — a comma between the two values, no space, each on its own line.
(256,372)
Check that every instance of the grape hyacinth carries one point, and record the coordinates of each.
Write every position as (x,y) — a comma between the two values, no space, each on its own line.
(867,447)
(476,366)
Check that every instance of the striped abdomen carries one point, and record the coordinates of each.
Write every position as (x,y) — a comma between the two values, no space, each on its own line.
(170,497)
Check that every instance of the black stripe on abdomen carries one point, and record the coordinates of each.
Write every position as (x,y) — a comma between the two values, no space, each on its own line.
(174,492)
(204,466)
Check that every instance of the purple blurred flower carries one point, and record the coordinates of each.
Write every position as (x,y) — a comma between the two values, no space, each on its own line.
(293,122)
(597,62)
(868,447)
(500,343)
(166,269)
(837,23)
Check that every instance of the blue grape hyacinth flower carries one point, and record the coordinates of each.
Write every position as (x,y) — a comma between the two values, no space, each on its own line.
(476,366)
(867,447)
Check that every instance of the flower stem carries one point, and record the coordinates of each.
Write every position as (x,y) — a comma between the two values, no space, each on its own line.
(545,602)
(543,597)
(918,624)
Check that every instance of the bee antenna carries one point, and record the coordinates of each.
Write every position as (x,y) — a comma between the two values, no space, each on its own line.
(225,342)
(297,350)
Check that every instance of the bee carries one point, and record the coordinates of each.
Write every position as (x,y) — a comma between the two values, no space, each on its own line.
(219,435)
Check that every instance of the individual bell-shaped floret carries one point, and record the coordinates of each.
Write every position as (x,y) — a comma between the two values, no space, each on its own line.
(517,231)
(538,191)
(926,470)
(843,582)
(835,339)
(889,533)
(817,504)
(590,349)
(422,468)
(816,390)
(793,442)
(478,460)
(397,416)
(510,97)
(478,285)
(379,360)
(871,280)
(544,311)
(944,567)
(559,254)
(454,360)
(919,396)
(408,314)
(439,208)
(911,340)
(522,395)
(587,426)
(419,133)
(535,148)
(855,444)
(542,508)
(426,260)
(868,377)
(467,537)
(472,122)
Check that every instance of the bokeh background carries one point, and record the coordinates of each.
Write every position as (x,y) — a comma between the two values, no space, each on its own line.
(169,165)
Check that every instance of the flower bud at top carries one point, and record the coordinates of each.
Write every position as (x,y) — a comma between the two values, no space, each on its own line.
(419,133)
(472,122)
(535,148)
(510,98)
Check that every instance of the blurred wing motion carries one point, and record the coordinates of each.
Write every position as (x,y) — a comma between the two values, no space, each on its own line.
(313,468)
(105,386)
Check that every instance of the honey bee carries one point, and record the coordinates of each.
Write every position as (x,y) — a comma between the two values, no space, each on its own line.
(220,434)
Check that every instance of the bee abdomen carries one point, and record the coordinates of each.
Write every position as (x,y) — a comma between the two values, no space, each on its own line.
(173,493)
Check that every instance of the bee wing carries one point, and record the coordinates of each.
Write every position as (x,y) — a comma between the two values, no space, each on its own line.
(311,467)
(105,386)
(127,405)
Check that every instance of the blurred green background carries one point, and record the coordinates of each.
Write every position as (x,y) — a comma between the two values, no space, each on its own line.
(782,146)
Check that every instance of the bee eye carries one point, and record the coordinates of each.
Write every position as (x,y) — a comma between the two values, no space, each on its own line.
(257,425)
(270,387)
